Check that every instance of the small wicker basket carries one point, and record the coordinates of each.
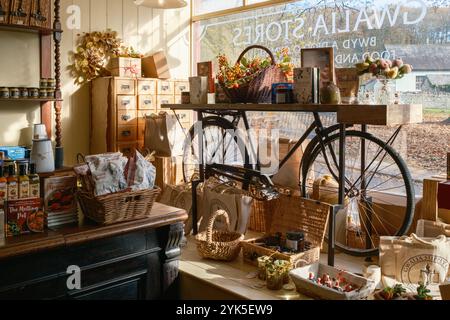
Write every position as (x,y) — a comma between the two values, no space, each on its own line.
(217,244)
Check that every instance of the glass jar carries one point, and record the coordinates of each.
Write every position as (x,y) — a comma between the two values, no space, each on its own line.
(4,93)
(330,94)
(274,278)
(14,93)
(43,83)
(263,262)
(51,83)
(42,93)
(384,91)
(33,92)
(284,267)
(23,92)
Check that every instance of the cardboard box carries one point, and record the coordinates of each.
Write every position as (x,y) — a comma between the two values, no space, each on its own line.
(156,66)
(24,216)
(125,67)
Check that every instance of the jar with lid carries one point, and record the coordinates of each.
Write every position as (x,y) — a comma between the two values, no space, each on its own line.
(295,241)
(51,83)
(14,93)
(23,92)
(42,93)
(43,83)
(33,92)
(50,93)
(4,93)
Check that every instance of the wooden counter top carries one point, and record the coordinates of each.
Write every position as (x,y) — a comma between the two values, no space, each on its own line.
(162,215)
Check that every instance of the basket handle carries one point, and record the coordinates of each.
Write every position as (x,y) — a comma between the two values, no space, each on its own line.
(81,158)
(213,218)
(257,47)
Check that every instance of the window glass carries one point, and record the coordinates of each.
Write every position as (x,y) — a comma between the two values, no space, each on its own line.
(208,6)
(418,31)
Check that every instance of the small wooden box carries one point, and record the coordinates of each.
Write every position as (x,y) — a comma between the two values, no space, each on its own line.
(293,213)
(4,11)
(126,67)
(20,12)
(41,15)
(156,66)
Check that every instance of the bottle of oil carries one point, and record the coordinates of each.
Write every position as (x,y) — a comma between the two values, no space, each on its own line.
(35,184)
(3,188)
(13,184)
(24,182)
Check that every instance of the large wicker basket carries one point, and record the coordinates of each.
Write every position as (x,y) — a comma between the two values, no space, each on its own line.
(217,244)
(118,207)
(259,90)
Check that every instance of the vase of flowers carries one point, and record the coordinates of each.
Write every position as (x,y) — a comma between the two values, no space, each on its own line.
(386,73)
(250,81)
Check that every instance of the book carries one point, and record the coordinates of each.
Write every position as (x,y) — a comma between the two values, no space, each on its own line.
(307,85)
(348,82)
(24,216)
(59,196)
(205,69)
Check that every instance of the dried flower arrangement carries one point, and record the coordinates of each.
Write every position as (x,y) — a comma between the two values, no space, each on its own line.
(94,49)
(384,68)
(242,73)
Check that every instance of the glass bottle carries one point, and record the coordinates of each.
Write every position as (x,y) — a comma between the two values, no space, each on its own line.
(35,183)
(384,91)
(330,94)
(13,183)
(24,182)
(3,187)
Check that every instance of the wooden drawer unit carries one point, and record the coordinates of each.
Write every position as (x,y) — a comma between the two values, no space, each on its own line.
(126,102)
(127,117)
(184,116)
(147,86)
(164,99)
(126,133)
(181,86)
(166,87)
(146,102)
(141,131)
(125,86)
(145,113)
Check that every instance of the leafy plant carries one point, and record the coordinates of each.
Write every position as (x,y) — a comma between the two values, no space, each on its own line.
(423,292)
(242,73)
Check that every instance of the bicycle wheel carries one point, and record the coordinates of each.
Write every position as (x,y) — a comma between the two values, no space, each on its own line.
(378,203)
(222,144)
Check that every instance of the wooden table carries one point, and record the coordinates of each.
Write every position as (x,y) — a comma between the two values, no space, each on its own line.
(130,260)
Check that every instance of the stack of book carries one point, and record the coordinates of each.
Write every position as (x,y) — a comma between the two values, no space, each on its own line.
(60,202)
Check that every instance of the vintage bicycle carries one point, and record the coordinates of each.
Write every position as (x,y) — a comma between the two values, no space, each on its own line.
(371,174)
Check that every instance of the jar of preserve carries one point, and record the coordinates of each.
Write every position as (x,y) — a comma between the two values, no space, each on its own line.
(4,93)
(50,93)
(33,92)
(23,92)
(42,93)
(43,83)
(14,93)
(295,241)
(51,83)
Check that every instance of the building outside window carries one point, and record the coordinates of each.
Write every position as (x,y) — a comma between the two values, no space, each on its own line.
(415,30)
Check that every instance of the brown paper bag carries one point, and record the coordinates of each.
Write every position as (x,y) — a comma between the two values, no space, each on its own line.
(164,135)
(411,260)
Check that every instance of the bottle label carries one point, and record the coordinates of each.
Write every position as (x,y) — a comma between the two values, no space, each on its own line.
(13,193)
(24,190)
(3,191)
(35,190)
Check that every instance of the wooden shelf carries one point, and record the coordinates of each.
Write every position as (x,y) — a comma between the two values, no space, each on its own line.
(397,114)
(30,99)
(29,29)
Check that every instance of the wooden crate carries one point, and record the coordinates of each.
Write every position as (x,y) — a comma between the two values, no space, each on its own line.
(41,15)
(4,11)
(293,213)
(382,115)
(20,12)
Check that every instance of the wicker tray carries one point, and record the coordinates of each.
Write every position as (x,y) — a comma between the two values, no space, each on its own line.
(304,285)
(293,213)
(118,207)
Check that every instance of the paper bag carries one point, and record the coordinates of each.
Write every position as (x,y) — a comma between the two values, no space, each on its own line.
(432,229)
(411,260)
(164,135)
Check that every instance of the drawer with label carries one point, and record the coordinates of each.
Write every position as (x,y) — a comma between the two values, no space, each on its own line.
(181,86)
(165,87)
(126,102)
(147,87)
(146,102)
(127,117)
(184,116)
(164,99)
(125,86)
(126,133)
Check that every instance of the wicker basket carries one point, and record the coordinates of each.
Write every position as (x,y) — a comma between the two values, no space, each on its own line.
(118,207)
(293,213)
(261,216)
(219,245)
(259,90)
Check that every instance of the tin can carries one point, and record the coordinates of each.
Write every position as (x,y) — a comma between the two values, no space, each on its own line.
(42,93)
(50,93)
(43,83)
(33,93)
(23,92)
(4,93)
(51,83)
(14,93)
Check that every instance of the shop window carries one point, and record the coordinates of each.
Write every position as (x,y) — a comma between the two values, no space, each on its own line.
(420,80)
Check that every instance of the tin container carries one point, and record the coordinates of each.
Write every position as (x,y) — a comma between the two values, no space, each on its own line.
(185,98)
(4,93)
(51,83)
(50,93)
(23,92)
(14,93)
(33,92)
